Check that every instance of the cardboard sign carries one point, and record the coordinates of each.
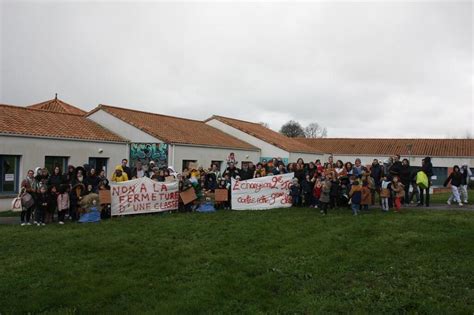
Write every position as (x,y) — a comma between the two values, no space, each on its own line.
(262,193)
(105,197)
(221,195)
(143,195)
(188,196)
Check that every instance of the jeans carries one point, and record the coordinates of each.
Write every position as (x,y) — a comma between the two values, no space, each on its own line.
(296,200)
(455,194)
(385,204)
(463,191)
(355,208)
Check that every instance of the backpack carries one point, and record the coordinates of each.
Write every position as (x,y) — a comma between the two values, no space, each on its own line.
(27,200)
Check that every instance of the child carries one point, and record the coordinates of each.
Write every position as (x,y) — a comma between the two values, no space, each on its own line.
(231,159)
(324,199)
(43,204)
(295,192)
(366,199)
(63,203)
(317,193)
(307,190)
(399,191)
(356,196)
(456,180)
(385,193)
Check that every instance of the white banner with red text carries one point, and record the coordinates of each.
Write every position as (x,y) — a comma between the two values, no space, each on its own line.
(262,193)
(143,195)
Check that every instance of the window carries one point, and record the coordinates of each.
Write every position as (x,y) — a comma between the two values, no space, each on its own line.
(50,162)
(441,173)
(186,164)
(218,164)
(9,177)
(98,164)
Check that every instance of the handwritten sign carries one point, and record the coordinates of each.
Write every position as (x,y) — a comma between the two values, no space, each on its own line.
(221,195)
(262,193)
(143,195)
(104,197)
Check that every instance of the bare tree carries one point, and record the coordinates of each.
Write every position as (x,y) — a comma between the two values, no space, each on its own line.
(314,130)
(292,129)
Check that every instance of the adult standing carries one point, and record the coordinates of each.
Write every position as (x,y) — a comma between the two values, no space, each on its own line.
(126,169)
(56,179)
(27,187)
(405,178)
(427,168)
(376,174)
(466,175)
(396,167)
(139,171)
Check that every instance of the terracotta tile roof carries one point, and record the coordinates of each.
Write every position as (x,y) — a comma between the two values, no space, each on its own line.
(175,129)
(58,106)
(26,121)
(377,147)
(263,133)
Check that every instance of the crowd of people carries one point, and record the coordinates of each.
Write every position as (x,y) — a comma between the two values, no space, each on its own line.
(323,185)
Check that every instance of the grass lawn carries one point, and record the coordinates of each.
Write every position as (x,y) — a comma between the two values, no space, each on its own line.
(285,260)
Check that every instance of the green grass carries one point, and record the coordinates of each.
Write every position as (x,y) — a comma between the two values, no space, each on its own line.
(278,261)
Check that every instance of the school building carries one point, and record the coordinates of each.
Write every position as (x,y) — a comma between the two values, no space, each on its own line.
(57,133)
(33,137)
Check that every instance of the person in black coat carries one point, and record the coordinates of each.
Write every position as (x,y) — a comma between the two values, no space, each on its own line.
(232,171)
(456,178)
(396,167)
(376,171)
(93,180)
(405,178)
(427,168)
(56,179)
(126,169)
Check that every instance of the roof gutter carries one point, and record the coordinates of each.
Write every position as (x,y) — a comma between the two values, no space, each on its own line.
(62,138)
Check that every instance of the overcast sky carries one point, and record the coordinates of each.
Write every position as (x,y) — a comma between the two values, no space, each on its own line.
(386,69)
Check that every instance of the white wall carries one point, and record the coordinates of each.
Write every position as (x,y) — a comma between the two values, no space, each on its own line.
(32,152)
(267,149)
(123,129)
(204,155)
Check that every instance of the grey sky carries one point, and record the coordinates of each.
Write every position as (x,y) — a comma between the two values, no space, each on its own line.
(391,69)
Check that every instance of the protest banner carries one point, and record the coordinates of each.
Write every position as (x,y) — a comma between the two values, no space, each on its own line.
(262,193)
(143,195)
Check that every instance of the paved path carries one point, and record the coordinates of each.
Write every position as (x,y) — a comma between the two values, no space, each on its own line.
(435,207)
